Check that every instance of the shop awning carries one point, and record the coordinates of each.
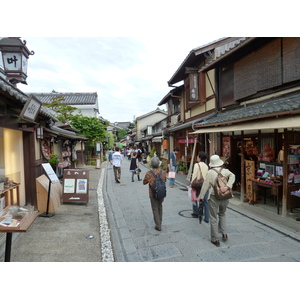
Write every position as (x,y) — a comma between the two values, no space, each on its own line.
(157,139)
(277,123)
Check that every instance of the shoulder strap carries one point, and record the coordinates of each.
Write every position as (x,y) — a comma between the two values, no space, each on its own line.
(153,173)
(160,172)
(216,171)
(199,168)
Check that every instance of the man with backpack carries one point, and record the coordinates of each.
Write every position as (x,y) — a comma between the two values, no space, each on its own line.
(218,199)
(156,178)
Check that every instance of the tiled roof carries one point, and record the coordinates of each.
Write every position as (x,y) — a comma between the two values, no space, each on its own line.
(70,98)
(22,97)
(196,56)
(152,113)
(284,104)
(123,125)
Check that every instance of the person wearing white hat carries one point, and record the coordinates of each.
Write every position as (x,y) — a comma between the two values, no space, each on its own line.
(216,207)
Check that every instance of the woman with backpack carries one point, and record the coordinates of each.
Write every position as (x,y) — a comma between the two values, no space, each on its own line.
(156,203)
(217,207)
(200,171)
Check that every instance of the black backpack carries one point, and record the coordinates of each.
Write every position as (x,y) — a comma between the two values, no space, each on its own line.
(159,189)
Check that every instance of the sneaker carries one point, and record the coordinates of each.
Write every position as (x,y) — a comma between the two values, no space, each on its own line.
(216,243)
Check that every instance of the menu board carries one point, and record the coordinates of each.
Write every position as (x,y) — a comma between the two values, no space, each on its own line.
(76,185)
(50,173)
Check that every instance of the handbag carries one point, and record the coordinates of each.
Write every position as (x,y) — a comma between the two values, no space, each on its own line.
(172,174)
(193,195)
(197,183)
(137,171)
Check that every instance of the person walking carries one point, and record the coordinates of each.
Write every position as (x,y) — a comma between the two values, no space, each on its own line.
(217,208)
(139,154)
(116,161)
(200,170)
(156,203)
(173,165)
(110,153)
(129,151)
(134,167)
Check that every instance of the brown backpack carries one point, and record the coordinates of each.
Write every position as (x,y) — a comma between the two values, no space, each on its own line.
(221,181)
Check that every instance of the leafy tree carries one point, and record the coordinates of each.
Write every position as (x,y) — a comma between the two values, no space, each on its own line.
(91,128)
(63,112)
(121,133)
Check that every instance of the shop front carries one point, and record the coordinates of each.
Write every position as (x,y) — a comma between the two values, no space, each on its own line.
(189,146)
(265,156)
(186,145)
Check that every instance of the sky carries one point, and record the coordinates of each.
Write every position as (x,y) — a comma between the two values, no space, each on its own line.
(129,74)
(123,50)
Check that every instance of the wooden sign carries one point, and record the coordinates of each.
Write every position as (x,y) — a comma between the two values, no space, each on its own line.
(250,173)
(31,109)
(194,95)
(76,185)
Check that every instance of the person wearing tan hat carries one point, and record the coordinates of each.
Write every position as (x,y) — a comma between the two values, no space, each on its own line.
(216,207)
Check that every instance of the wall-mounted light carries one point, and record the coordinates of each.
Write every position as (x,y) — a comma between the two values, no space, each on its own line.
(40,133)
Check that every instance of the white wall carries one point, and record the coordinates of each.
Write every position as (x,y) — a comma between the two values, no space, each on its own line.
(13,159)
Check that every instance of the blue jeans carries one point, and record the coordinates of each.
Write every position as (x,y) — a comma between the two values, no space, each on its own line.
(205,205)
(172,180)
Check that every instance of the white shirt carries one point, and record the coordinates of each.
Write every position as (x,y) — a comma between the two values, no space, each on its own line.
(117,159)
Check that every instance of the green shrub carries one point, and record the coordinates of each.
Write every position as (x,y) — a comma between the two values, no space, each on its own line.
(53,161)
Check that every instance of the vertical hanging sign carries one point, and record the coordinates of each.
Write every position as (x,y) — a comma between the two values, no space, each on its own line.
(194,88)
(250,173)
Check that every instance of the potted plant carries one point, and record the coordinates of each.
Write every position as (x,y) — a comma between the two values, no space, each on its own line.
(181,168)
(53,161)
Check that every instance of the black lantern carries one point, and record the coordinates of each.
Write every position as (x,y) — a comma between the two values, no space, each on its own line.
(15,55)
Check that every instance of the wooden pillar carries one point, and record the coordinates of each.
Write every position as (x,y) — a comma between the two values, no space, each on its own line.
(285,174)
(242,167)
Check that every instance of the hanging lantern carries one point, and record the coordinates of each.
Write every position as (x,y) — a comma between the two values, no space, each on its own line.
(15,55)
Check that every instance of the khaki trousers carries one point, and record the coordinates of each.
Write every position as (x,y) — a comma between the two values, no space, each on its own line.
(217,208)
(117,172)
(157,211)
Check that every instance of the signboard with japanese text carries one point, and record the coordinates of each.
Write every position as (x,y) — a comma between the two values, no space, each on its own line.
(50,173)
(31,109)
(250,173)
(194,95)
(76,185)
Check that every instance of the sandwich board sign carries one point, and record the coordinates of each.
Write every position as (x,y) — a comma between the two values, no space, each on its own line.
(76,185)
